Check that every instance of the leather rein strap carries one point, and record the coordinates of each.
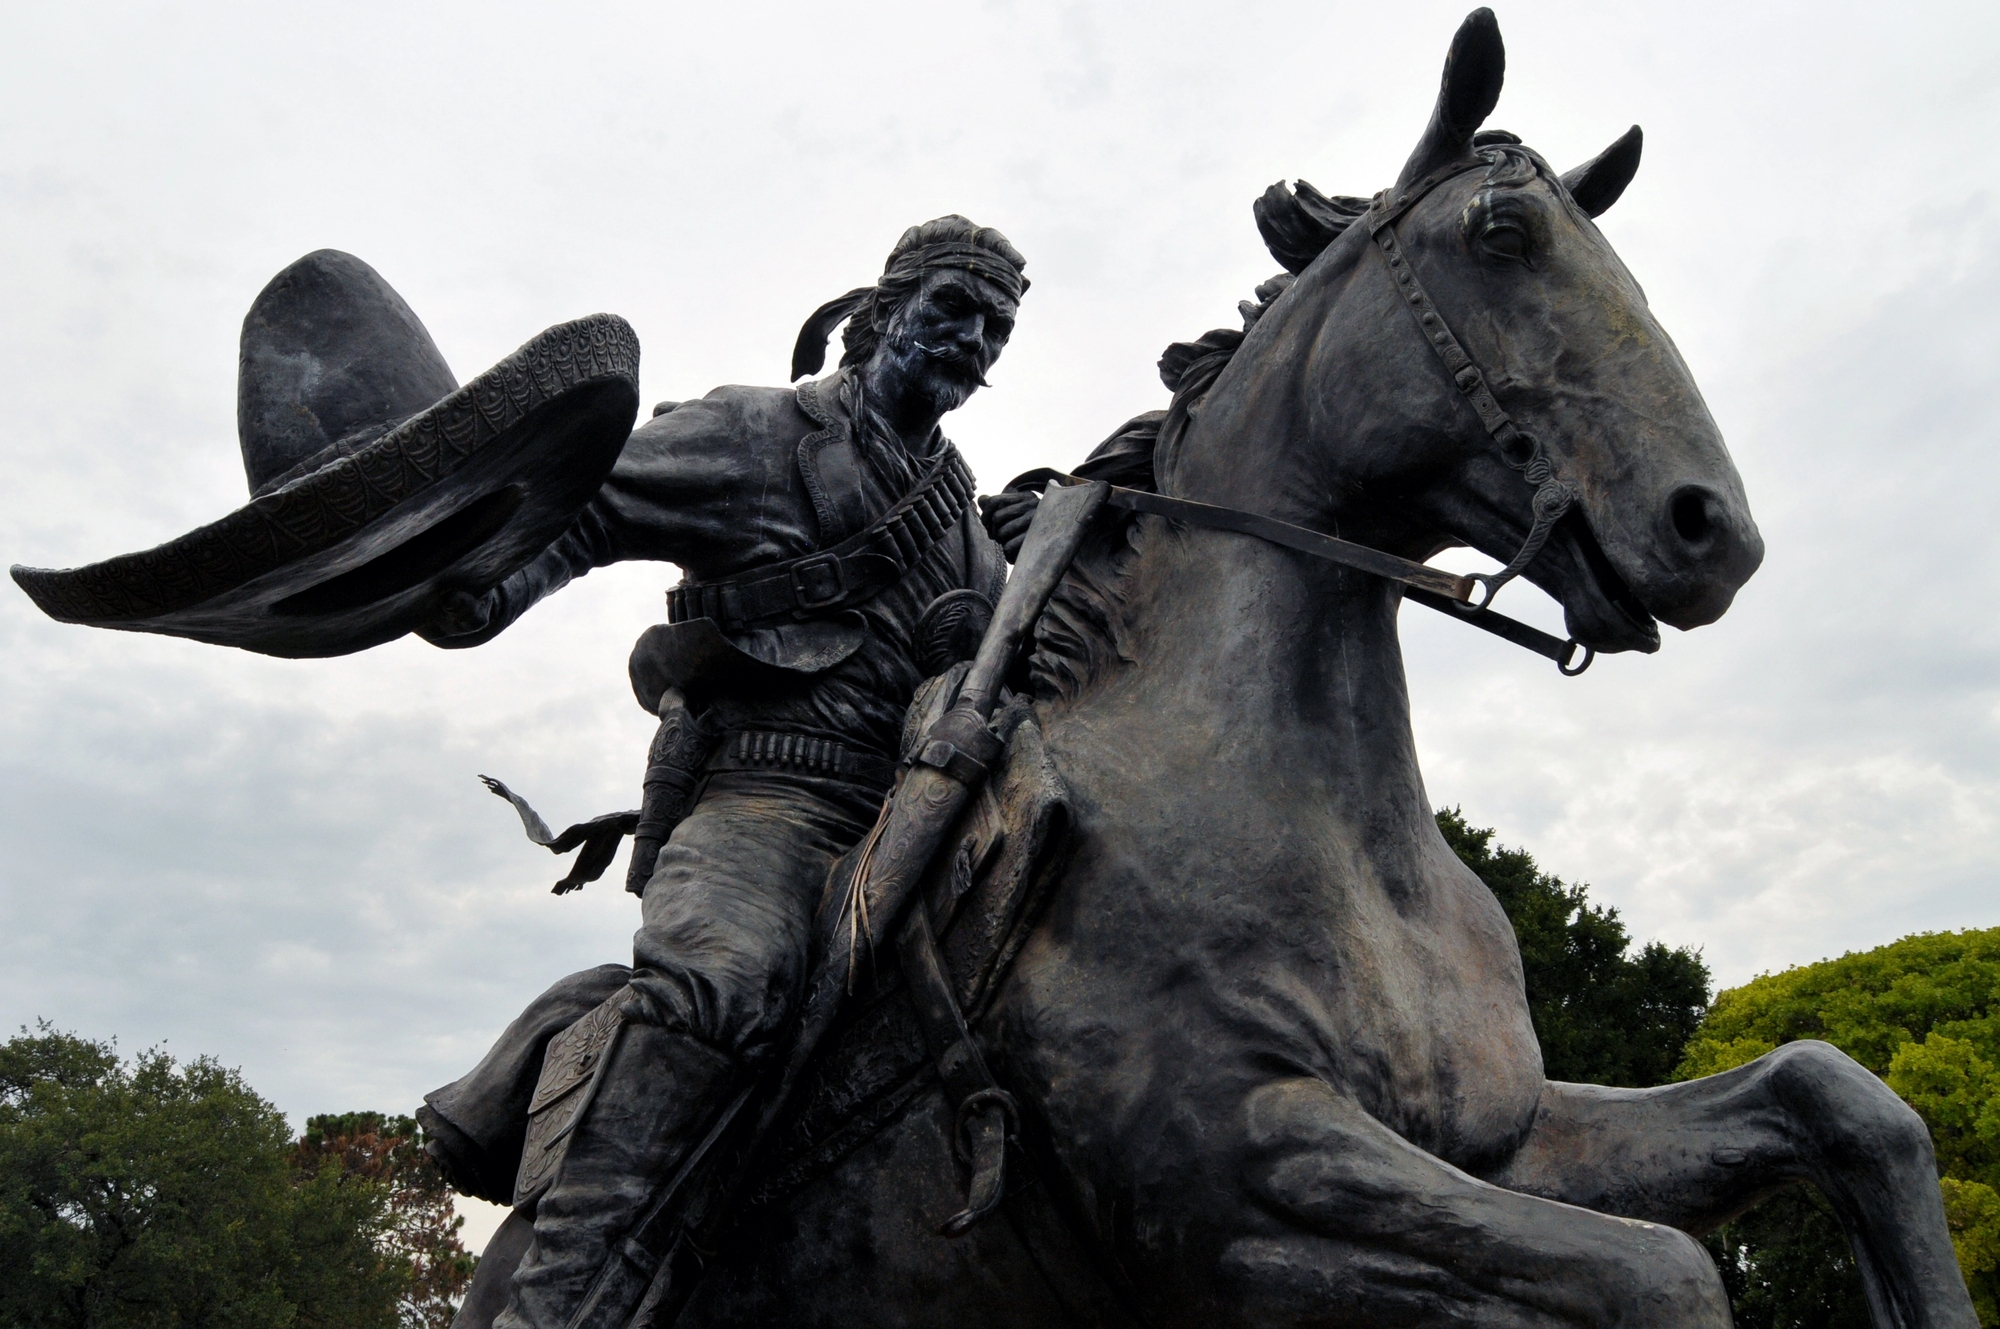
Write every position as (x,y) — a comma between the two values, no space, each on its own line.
(1445,585)
(1433,588)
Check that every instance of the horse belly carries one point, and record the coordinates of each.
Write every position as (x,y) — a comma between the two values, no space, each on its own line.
(860,1246)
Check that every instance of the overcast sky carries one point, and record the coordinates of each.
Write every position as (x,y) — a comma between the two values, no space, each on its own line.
(291,866)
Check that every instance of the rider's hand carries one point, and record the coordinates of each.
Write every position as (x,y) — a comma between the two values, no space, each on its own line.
(1007,517)
(460,615)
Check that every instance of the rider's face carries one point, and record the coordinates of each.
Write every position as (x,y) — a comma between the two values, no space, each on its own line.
(947,335)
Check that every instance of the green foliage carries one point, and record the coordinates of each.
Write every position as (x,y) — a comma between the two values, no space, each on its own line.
(151,1193)
(156,1195)
(1868,1003)
(1786,1265)
(422,1233)
(1973,1210)
(1602,1014)
(1920,1013)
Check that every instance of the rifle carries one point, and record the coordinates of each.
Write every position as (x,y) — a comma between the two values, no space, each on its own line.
(655,1269)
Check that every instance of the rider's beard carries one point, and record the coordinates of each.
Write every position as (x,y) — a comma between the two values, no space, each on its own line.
(939,376)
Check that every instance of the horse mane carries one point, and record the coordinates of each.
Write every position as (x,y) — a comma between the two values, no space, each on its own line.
(1081,631)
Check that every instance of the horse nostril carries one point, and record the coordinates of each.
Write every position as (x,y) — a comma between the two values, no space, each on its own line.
(1690,512)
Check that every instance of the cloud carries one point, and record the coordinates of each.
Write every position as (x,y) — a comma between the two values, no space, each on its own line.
(290,865)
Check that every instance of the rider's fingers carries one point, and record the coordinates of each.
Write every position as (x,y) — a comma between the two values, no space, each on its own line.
(463,612)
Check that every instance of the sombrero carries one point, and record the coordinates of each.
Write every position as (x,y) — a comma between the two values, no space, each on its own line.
(378,484)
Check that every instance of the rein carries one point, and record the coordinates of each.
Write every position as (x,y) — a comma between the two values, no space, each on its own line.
(1433,588)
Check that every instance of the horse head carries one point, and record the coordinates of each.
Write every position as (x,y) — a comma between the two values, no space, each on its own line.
(1346,408)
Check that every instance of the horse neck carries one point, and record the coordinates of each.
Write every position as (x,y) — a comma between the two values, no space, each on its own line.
(1285,663)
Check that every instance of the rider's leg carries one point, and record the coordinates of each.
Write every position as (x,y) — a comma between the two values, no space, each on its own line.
(476,1122)
(718,967)
(1696,1154)
(728,913)
(1372,1231)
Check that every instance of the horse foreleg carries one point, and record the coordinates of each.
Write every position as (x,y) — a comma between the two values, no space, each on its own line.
(1695,1155)
(1371,1231)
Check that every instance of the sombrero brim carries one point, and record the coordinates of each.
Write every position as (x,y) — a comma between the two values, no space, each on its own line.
(362,550)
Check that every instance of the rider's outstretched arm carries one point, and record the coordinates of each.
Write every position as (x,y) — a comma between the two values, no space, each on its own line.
(660,502)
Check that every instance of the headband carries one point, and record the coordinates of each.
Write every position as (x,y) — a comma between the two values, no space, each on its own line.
(959,254)
(809,353)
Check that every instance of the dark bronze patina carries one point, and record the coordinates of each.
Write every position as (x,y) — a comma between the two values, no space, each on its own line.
(1262,1039)
(378,485)
(1080,949)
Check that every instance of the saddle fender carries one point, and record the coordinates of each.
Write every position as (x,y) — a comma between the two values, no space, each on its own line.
(572,1069)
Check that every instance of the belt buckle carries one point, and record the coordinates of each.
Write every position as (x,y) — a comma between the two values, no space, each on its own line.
(818,582)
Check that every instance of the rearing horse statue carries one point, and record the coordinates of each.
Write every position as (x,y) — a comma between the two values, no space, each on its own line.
(1268,1035)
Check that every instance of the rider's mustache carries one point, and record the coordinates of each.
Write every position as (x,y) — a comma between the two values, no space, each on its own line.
(966,363)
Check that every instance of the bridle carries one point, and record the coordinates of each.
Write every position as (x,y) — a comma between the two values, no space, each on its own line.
(1518,448)
(1467,597)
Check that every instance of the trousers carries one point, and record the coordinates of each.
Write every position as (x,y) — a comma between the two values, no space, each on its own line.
(726,919)
(719,966)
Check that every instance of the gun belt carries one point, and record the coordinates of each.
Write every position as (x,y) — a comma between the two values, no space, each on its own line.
(758,749)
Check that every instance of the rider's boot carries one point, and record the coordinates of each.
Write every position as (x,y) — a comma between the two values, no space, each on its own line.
(643,1110)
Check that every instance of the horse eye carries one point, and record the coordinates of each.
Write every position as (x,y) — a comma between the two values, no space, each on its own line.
(1503,240)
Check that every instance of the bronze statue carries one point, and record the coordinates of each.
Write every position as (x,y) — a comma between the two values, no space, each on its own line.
(1263,1038)
(1191,1018)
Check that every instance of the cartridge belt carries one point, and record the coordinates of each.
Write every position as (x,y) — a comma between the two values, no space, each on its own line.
(854,571)
(759,749)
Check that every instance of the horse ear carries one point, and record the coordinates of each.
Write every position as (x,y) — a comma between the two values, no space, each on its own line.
(1473,71)
(1597,183)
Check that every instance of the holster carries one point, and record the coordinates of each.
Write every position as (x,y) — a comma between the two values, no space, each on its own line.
(673,769)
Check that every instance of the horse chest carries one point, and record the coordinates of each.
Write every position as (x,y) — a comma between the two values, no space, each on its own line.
(1181,970)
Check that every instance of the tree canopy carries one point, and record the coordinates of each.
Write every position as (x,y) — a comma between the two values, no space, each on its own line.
(1921,1014)
(1603,1015)
(151,1194)
(422,1232)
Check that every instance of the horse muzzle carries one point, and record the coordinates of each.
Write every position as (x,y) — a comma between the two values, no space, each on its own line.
(1680,561)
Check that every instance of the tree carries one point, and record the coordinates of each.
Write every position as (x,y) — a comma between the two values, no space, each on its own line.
(1602,1015)
(1922,1014)
(152,1193)
(423,1229)
(155,1194)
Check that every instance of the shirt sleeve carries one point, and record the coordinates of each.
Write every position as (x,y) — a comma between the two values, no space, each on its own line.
(673,496)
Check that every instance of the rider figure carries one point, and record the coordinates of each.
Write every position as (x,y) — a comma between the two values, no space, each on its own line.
(798,667)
